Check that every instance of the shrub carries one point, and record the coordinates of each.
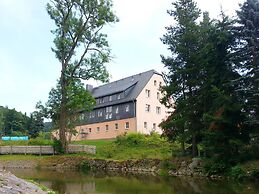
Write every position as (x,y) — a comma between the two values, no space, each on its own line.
(255,174)
(213,167)
(85,166)
(237,173)
(168,165)
(131,139)
(58,146)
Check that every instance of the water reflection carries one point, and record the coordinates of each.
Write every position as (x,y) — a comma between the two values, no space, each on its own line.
(73,182)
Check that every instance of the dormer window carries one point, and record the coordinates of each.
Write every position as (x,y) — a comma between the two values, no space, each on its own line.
(101,100)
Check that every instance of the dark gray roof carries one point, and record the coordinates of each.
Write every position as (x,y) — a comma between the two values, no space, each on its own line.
(137,82)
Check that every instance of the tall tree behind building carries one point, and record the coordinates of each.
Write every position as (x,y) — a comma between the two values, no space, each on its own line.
(183,67)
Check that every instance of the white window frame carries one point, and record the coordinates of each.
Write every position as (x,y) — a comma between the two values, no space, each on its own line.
(117,110)
(147,91)
(126,108)
(158,110)
(147,108)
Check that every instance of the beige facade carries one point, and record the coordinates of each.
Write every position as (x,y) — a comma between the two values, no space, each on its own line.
(105,130)
(150,112)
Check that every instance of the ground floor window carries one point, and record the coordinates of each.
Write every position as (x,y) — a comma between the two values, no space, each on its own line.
(97,129)
(116,126)
(127,125)
(145,125)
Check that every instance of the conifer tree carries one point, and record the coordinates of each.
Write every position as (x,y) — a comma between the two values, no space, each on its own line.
(183,70)
(247,58)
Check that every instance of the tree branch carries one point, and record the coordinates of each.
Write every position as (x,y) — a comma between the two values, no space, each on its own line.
(84,53)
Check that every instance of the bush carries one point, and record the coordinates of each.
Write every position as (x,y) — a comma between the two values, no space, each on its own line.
(131,139)
(85,166)
(58,146)
(255,174)
(168,165)
(237,173)
(39,141)
(213,167)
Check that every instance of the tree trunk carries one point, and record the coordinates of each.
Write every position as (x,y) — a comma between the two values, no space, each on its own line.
(194,146)
(63,114)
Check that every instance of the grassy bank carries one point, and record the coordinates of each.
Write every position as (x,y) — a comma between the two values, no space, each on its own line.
(131,146)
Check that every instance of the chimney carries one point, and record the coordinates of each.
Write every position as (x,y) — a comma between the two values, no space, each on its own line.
(89,87)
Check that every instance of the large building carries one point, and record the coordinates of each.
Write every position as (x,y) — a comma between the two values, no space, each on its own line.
(131,104)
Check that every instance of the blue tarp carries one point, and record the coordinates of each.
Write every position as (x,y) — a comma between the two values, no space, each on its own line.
(15,138)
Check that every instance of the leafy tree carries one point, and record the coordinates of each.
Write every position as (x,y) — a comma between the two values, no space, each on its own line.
(35,124)
(81,49)
(183,70)
(13,122)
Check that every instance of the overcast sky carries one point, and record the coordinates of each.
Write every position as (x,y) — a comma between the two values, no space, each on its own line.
(28,68)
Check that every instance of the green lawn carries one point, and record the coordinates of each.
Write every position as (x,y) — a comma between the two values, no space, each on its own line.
(131,146)
(97,143)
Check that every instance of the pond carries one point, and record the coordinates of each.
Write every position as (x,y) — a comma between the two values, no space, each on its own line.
(74,182)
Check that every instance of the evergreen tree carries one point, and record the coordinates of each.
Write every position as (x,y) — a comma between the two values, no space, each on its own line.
(247,58)
(183,70)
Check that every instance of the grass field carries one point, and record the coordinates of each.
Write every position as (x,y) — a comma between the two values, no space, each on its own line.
(130,146)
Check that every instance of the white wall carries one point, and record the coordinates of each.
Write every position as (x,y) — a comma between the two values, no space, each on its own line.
(150,117)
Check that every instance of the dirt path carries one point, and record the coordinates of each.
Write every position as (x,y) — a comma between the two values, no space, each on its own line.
(10,184)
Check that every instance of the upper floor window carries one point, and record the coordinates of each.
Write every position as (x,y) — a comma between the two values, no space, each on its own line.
(117,110)
(160,84)
(109,109)
(147,93)
(127,108)
(155,82)
(91,115)
(82,117)
(127,125)
(158,110)
(158,96)
(118,96)
(100,113)
(147,108)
